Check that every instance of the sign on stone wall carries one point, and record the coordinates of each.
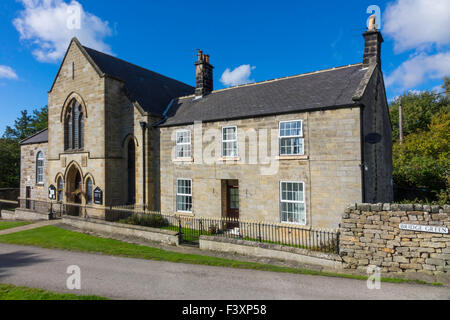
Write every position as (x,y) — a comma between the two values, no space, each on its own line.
(52,192)
(98,196)
(420,228)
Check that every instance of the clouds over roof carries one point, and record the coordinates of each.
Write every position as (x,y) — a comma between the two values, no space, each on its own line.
(48,25)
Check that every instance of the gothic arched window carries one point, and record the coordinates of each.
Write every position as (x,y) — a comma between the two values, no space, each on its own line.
(74,127)
(89,191)
(59,189)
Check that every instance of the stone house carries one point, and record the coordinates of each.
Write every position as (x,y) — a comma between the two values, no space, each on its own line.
(294,150)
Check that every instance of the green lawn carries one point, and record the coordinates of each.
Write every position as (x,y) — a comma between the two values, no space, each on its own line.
(12,224)
(10,292)
(56,238)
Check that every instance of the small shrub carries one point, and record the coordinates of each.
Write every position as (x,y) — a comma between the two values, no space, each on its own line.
(148,220)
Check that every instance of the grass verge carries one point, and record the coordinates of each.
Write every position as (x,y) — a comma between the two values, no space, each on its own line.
(10,292)
(12,224)
(52,237)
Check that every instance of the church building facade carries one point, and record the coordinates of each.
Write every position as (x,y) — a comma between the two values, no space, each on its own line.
(293,150)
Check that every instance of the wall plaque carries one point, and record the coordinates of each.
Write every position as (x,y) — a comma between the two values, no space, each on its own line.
(419,228)
(98,196)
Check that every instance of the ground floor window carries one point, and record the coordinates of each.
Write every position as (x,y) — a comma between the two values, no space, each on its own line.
(184,195)
(89,191)
(292,202)
(60,189)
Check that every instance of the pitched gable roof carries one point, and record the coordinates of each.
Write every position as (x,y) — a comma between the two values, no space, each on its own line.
(38,137)
(318,90)
(151,90)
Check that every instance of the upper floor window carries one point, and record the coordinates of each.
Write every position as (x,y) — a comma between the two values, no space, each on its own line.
(229,142)
(74,127)
(183,148)
(291,138)
(40,168)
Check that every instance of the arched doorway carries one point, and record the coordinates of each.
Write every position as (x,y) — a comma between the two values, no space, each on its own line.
(74,190)
(131,166)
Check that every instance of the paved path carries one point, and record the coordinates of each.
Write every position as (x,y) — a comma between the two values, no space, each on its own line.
(28,226)
(124,278)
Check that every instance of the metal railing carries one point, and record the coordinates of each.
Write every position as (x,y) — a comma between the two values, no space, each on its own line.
(191,228)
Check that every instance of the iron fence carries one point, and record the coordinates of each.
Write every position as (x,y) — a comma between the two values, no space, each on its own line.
(191,228)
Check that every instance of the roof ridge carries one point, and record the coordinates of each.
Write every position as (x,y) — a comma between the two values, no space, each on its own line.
(135,65)
(278,79)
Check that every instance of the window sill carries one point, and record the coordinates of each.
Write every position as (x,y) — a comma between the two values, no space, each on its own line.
(183,159)
(71,151)
(39,185)
(225,159)
(184,214)
(302,157)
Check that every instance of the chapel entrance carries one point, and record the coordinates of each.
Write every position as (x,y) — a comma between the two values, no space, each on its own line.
(74,191)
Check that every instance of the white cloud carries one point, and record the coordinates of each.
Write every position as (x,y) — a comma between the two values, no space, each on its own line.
(50,24)
(7,72)
(417,24)
(240,75)
(419,69)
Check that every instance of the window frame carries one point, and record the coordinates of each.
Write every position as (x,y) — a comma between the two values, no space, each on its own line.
(224,141)
(38,167)
(184,194)
(91,194)
(183,144)
(59,191)
(293,201)
(301,137)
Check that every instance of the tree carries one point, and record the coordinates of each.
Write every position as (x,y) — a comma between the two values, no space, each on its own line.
(422,162)
(25,126)
(418,109)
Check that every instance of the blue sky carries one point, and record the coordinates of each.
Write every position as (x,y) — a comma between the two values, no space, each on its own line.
(247,40)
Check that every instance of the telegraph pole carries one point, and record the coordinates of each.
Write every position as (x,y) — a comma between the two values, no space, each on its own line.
(400,122)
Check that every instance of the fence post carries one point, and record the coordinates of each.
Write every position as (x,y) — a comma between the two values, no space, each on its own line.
(180,234)
(259,232)
(1,206)
(51,210)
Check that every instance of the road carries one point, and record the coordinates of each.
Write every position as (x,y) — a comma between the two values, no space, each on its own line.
(125,278)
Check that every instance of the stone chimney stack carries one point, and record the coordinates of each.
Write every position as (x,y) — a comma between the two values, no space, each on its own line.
(204,75)
(373,41)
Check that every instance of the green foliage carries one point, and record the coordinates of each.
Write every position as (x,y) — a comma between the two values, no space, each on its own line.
(25,126)
(10,292)
(147,220)
(422,161)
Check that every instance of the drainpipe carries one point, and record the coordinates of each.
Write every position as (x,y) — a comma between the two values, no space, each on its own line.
(144,127)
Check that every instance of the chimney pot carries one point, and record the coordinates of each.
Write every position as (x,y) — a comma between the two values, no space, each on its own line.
(372,23)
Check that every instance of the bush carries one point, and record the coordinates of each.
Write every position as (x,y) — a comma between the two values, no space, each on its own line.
(147,220)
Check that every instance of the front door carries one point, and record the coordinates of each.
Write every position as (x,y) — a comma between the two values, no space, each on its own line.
(233,205)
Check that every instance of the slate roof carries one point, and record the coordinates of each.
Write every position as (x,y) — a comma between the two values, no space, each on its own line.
(312,91)
(151,90)
(39,137)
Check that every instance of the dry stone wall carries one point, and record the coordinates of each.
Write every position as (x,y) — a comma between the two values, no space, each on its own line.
(371,235)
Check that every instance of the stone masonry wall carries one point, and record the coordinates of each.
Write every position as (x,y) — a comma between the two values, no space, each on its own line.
(370,235)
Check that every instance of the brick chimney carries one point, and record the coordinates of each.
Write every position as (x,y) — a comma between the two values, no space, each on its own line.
(373,41)
(204,75)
